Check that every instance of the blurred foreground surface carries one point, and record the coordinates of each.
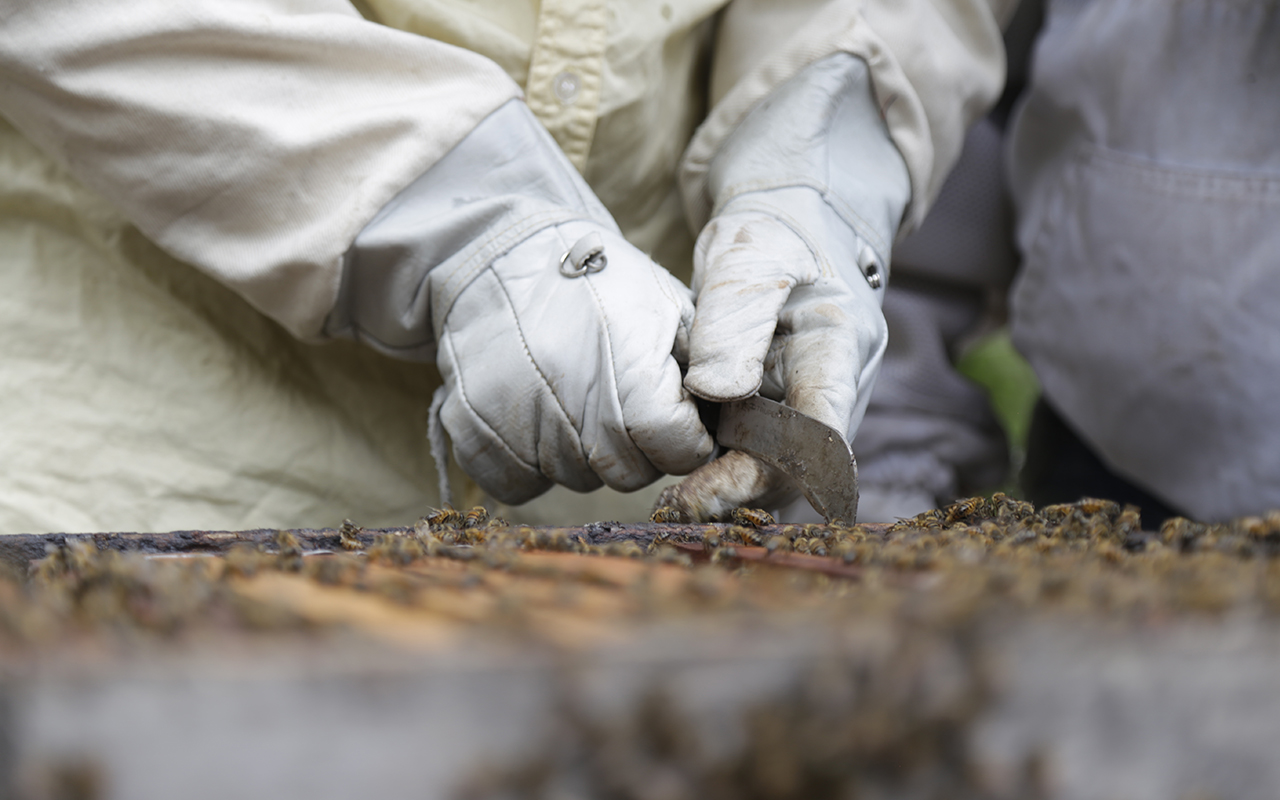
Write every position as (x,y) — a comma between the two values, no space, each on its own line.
(988,650)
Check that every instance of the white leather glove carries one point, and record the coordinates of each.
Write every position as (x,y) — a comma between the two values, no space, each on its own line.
(790,271)
(557,339)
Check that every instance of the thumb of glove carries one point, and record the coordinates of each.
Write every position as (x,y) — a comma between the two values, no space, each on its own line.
(745,267)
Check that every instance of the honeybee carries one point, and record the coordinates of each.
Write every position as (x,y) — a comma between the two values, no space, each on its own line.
(711,538)
(777,544)
(444,517)
(623,550)
(669,555)
(724,554)
(1181,532)
(744,535)
(1056,512)
(559,541)
(349,535)
(399,550)
(333,570)
(752,517)
(288,551)
(476,517)
(1129,521)
(1094,505)
(667,514)
(964,509)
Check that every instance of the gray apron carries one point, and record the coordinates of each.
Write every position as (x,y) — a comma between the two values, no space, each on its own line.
(1145,165)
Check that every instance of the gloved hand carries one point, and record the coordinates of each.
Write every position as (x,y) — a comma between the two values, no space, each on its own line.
(557,339)
(569,380)
(790,271)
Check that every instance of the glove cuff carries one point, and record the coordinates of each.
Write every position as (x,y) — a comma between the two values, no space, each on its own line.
(821,130)
(501,184)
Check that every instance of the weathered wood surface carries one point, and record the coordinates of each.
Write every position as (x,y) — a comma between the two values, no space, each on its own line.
(21,549)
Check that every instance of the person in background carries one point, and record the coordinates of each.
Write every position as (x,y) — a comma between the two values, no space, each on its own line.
(1145,170)
(1145,177)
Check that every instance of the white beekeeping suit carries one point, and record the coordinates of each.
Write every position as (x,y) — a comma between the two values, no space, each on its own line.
(279,148)
(1146,171)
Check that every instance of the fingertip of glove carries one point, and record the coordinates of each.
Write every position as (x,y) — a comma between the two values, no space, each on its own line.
(721,383)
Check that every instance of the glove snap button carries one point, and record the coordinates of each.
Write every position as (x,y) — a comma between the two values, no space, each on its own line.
(586,255)
(870,267)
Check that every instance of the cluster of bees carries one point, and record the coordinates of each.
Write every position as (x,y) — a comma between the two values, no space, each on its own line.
(1093,554)
(750,527)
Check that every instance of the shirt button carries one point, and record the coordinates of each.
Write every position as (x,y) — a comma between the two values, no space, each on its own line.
(566,86)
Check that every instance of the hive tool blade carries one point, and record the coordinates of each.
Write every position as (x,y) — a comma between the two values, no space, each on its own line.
(814,456)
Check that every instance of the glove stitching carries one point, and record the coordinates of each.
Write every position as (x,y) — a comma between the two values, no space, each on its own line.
(524,344)
(475,412)
(656,272)
(613,375)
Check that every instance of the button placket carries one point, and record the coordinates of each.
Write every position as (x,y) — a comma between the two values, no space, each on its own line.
(565,72)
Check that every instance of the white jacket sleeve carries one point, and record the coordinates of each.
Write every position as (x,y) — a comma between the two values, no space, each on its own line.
(936,66)
(253,139)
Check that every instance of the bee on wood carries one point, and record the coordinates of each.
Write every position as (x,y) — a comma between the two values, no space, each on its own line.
(244,560)
(447,517)
(846,551)
(964,509)
(669,555)
(933,518)
(528,538)
(1129,521)
(744,535)
(724,554)
(496,523)
(559,541)
(711,538)
(1056,512)
(399,550)
(475,518)
(812,529)
(752,517)
(777,544)
(1181,533)
(288,551)
(1094,505)
(668,514)
(817,547)
(623,550)
(1005,508)
(349,535)
(337,570)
